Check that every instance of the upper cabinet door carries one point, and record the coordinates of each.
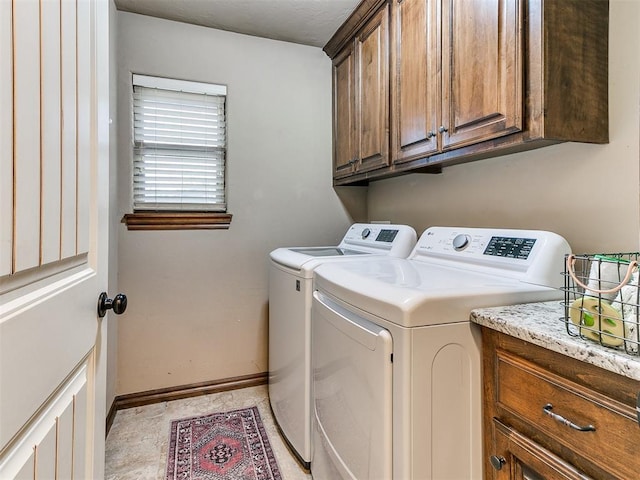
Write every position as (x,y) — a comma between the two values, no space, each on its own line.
(372,72)
(415,88)
(482,68)
(344,153)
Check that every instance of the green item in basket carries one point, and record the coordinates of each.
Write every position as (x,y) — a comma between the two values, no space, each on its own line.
(587,320)
(592,315)
(611,259)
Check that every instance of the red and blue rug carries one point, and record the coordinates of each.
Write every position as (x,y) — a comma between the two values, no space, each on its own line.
(221,446)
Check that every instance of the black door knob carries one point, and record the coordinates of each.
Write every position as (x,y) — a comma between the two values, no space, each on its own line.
(118,304)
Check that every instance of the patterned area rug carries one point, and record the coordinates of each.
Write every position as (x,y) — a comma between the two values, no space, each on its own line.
(221,446)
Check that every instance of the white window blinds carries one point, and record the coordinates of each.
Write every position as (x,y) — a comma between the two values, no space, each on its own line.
(179,145)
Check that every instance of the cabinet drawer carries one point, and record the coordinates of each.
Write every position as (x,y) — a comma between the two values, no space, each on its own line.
(549,402)
(520,458)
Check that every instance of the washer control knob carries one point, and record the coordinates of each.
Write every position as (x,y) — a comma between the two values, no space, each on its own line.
(460,242)
(365,233)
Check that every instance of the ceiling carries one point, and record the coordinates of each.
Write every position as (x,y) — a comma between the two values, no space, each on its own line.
(309,22)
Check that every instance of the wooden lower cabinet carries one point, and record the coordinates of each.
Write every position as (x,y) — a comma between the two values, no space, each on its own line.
(549,416)
(516,457)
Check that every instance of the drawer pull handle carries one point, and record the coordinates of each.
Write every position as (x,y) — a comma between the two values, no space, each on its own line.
(547,409)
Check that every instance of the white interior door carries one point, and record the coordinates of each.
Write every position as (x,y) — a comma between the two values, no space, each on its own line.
(54,148)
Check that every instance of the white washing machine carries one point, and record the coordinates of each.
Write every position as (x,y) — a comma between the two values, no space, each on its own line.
(290,295)
(396,364)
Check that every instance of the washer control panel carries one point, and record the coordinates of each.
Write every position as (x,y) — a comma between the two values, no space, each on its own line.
(510,247)
(387,235)
(523,253)
(507,244)
(380,237)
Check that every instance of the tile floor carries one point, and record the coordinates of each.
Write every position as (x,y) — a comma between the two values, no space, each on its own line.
(139,437)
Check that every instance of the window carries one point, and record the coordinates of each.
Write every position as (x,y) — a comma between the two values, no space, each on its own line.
(179,153)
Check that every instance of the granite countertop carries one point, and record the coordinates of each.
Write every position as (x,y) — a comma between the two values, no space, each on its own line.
(543,324)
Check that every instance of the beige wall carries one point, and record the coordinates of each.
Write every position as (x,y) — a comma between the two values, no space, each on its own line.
(587,193)
(198,299)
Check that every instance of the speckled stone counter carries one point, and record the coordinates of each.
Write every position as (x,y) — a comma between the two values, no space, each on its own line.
(542,324)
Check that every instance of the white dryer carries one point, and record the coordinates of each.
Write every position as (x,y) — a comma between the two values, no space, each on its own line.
(396,364)
(290,295)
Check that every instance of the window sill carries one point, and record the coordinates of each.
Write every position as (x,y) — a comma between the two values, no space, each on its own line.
(177,221)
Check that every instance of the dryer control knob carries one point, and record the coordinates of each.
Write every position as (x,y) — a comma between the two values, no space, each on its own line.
(365,233)
(460,242)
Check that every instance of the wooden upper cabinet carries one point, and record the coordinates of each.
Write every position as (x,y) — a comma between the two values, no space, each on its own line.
(567,70)
(344,153)
(481,70)
(414,79)
(361,99)
(456,74)
(372,101)
(464,80)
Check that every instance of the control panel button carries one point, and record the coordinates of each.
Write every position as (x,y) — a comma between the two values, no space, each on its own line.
(387,236)
(510,247)
(365,233)
(460,242)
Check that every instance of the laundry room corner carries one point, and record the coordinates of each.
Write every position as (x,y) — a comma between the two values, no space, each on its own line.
(354,201)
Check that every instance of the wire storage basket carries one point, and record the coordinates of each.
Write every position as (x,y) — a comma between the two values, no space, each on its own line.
(602,299)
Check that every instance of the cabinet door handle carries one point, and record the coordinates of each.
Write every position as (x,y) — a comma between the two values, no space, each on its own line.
(443,129)
(497,462)
(431,134)
(547,409)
